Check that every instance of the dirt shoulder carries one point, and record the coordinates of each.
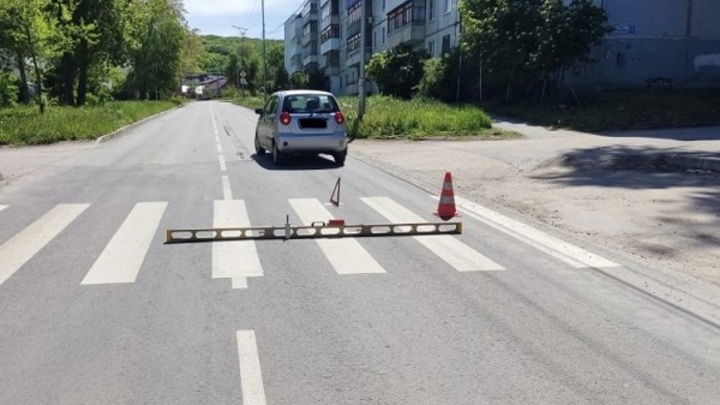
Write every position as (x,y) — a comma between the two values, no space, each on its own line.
(610,190)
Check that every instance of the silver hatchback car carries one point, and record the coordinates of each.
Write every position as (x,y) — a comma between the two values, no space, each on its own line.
(301,121)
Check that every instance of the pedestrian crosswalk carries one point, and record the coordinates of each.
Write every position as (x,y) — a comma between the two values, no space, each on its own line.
(22,247)
(122,258)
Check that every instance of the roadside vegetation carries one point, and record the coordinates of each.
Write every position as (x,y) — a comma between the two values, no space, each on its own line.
(392,118)
(23,126)
(74,70)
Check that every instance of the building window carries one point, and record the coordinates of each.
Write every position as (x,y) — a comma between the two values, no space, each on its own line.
(329,9)
(310,29)
(448,6)
(333,59)
(383,5)
(353,14)
(353,43)
(446,44)
(431,10)
(405,14)
(330,32)
(431,48)
(383,35)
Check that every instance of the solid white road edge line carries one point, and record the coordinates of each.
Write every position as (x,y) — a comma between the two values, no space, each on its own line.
(564,251)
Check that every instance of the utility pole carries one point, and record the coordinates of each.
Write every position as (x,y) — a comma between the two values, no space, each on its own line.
(264,75)
(361,82)
(241,55)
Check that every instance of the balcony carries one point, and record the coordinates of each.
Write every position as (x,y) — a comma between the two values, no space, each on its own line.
(309,17)
(307,39)
(332,70)
(353,29)
(309,60)
(332,44)
(408,34)
(354,58)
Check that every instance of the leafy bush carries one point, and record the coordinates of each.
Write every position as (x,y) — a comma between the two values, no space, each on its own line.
(398,71)
(8,89)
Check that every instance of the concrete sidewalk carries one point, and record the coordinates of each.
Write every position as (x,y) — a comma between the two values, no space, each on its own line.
(690,148)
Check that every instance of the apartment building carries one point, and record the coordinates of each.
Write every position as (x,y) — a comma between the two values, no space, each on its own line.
(293,44)
(330,45)
(309,39)
(677,39)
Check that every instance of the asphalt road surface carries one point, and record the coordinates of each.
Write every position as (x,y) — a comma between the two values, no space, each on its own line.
(96,309)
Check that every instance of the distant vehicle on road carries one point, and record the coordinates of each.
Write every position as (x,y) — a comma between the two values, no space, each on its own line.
(301,121)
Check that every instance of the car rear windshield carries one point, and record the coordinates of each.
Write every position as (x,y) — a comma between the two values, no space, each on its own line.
(310,103)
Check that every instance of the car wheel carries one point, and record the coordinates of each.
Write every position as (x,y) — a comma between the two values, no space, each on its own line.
(258,149)
(277,155)
(340,157)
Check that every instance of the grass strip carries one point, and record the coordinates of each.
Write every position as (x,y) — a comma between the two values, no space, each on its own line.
(389,118)
(24,125)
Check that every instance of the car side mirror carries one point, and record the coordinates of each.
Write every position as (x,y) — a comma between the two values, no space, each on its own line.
(259,111)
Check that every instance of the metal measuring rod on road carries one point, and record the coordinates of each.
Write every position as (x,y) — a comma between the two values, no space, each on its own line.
(334,228)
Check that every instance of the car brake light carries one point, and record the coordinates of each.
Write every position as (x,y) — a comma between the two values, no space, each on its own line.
(339,118)
(285,118)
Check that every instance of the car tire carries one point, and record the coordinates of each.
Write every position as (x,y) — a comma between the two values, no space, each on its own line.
(278,157)
(340,157)
(258,149)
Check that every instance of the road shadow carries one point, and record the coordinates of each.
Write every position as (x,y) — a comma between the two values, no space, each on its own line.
(630,167)
(644,169)
(296,163)
(706,133)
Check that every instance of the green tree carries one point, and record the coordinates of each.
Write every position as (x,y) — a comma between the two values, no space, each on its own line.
(453,75)
(26,31)
(317,80)
(282,80)
(161,31)
(299,80)
(524,41)
(398,71)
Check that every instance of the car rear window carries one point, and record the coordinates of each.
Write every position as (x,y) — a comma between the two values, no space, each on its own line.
(308,103)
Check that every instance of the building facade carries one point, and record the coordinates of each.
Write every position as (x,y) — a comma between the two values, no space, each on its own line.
(675,39)
(309,39)
(293,45)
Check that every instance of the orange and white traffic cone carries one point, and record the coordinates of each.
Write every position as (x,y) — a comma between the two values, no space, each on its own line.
(446,208)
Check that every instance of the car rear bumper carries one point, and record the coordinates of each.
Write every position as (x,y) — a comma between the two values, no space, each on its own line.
(325,143)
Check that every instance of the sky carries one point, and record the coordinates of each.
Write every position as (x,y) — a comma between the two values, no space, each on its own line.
(217,17)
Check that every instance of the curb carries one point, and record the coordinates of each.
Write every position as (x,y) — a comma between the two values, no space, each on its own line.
(699,162)
(122,131)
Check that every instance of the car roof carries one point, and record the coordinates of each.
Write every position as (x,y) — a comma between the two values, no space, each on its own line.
(296,92)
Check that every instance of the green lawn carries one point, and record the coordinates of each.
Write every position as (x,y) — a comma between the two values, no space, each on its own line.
(24,125)
(623,110)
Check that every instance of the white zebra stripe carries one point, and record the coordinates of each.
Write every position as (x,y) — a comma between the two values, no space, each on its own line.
(451,250)
(347,256)
(22,247)
(122,258)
